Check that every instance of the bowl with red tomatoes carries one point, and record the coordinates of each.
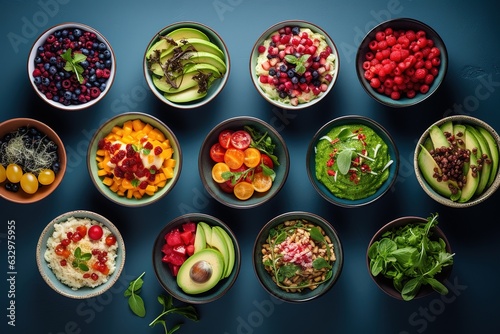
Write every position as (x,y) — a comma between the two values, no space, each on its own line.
(243,162)
(401,62)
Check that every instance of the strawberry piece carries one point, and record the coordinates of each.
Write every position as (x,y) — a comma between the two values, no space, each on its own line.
(180,249)
(174,269)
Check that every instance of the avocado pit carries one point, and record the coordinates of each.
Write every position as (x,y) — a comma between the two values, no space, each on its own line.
(201,271)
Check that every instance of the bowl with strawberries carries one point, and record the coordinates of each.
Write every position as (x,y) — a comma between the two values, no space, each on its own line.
(71,66)
(243,162)
(196,258)
(401,62)
(294,64)
(134,159)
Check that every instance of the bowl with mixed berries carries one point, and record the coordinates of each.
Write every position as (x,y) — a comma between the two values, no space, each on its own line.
(71,66)
(243,162)
(134,159)
(294,64)
(401,62)
(32,160)
(186,64)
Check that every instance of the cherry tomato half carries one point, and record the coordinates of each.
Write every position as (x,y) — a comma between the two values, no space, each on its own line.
(110,240)
(225,138)
(95,232)
(241,139)
(265,160)
(217,152)
(234,158)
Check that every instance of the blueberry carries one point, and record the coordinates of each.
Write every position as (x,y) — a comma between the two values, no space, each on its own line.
(53,60)
(38,80)
(45,81)
(92,78)
(102,87)
(55,98)
(85,64)
(316,83)
(67,95)
(77,32)
(295,30)
(52,70)
(41,49)
(291,73)
(85,51)
(38,60)
(46,66)
(107,54)
(108,63)
(102,46)
(302,80)
(315,74)
(295,80)
(283,68)
(64,33)
(272,72)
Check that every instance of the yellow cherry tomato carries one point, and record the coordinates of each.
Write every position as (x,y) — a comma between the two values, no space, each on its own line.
(3,175)
(14,173)
(46,177)
(29,183)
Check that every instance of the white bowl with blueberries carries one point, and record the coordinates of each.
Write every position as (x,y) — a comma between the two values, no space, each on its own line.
(71,66)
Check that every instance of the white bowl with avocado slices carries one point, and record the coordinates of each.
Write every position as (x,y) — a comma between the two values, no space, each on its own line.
(201,265)
(456,161)
(186,65)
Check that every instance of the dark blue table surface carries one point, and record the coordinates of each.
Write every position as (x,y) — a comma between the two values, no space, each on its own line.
(354,304)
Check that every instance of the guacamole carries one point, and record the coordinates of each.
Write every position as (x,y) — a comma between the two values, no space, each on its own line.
(352,161)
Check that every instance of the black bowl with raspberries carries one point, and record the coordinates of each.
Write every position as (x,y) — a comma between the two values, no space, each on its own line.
(71,66)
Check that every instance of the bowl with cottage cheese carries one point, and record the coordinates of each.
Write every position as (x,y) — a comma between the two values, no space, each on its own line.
(80,254)
(294,64)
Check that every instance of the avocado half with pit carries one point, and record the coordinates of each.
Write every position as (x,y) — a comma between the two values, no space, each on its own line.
(201,271)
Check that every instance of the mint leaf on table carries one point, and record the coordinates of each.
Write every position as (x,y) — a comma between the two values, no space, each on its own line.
(188,312)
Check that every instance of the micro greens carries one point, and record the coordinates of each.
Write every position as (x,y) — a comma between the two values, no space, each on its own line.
(235,177)
(263,143)
(283,270)
(135,301)
(188,312)
(73,63)
(81,259)
(410,258)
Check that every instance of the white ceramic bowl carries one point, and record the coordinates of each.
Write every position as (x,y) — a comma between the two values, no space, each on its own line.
(222,53)
(48,275)
(269,92)
(102,83)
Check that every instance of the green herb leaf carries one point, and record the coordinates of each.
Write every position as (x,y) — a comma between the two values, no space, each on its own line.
(344,161)
(83,267)
(137,305)
(320,263)
(73,63)
(316,234)
(188,312)
(135,301)
(344,134)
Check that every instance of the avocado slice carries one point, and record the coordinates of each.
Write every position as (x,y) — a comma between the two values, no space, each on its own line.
(427,166)
(230,249)
(187,95)
(459,133)
(201,271)
(492,144)
(469,189)
(438,138)
(199,45)
(162,46)
(219,243)
(199,239)
(486,169)
(185,80)
(185,33)
(194,58)
(208,232)
(447,127)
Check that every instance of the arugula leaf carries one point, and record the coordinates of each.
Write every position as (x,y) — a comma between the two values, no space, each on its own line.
(263,143)
(73,63)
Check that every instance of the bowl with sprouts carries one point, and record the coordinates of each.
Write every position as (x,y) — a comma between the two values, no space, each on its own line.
(32,160)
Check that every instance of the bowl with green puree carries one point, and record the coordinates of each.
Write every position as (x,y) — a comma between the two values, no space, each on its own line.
(352,161)
(298,256)
(410,257)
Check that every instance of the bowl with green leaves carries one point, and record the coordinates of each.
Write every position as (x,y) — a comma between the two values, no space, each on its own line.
(71,66)
(410,257)
(298,256)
